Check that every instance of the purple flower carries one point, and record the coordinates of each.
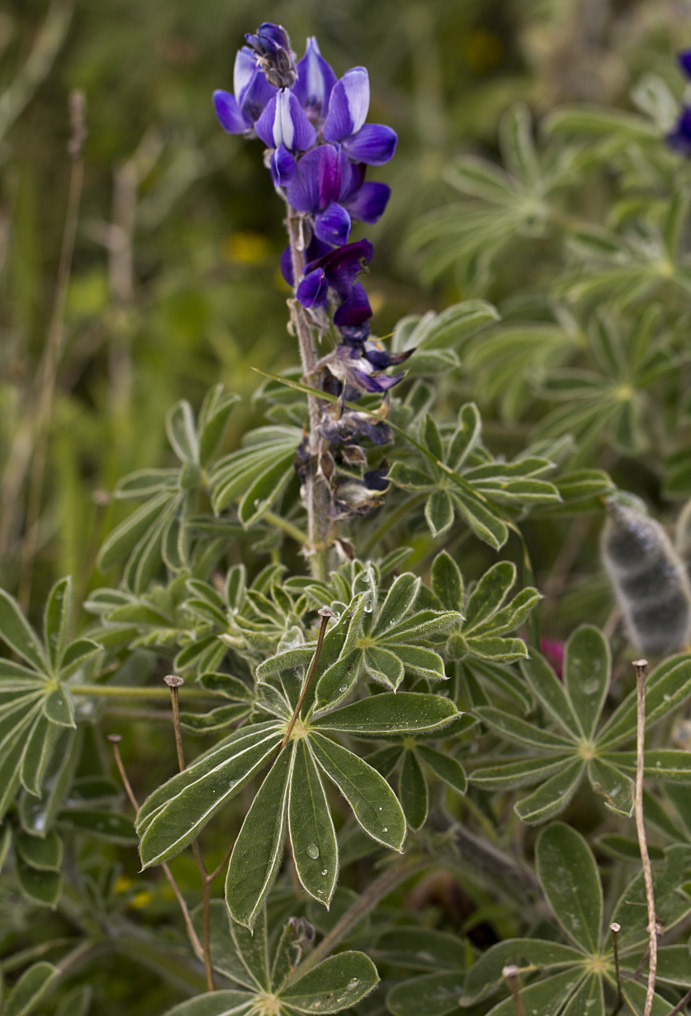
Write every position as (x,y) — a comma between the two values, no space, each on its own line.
(684,60)
(373,144)
(358,365)
(335,271)
(284,122)
(680,138)
(315,82)
(237,113)
(315,190)
(274,54)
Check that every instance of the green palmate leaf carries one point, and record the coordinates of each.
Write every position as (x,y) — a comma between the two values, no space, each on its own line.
(399,601)
(252,949)
(99,824)
(9,774)
(55,619)
(553,796)
(569,877)
(586,675)
(18,634)
(216,719)
(635,995)
(447,581)
(520,772)
(43,854)
(419,949)
(76,1003)
(40,886)
(550,692)
(37,816)
(225,954)
(30,989)
(389,713)
(372,800)
(666,688)
(310,827)
(259,847)
(439,512)
(446,767)
(522,732)
(672,904)
(216,1003)
(174,815)
(430,995)
(182,432)
(490,592)
(333,985)
(413,791)
(546,996)
(58,707)
(383,666)
(486,973)
(588,999)
(668,764)
(615,787)
(125,537)
(40,745)
(204,764)
(673,965)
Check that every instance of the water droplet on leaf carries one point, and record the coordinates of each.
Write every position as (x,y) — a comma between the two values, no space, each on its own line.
(313,851)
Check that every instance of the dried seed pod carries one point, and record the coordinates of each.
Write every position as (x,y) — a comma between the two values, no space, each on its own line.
(649,580)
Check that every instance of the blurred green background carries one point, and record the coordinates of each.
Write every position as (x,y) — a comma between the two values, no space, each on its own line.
(174,282)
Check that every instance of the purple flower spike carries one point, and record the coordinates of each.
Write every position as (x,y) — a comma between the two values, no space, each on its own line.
(283,167)
(354,310)
(332,225)
(348,106)
(680,137)
(313,291)
(275,55)
(315,82)
(374,144)
(685,62)
(284,122)
(343,265)
(238,112)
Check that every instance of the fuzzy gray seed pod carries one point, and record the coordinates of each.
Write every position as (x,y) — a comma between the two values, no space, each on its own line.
(649,579)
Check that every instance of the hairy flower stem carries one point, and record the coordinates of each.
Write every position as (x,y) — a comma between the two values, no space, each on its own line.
(641,668)
(192,934)
(174,682)
(317,494)
(324,614)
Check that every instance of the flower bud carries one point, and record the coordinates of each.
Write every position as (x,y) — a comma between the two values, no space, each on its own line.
(649,579)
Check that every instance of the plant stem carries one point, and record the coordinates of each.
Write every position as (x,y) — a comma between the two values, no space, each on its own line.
(615,929)
(680,1005)
(123,691)
(317,492)
(510,975)
(641,667)
(192,934)
(288,528)
(367,901)
(325,614)
(174,682)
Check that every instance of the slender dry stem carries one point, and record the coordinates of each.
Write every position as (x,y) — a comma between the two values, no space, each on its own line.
(641,668)
(680,1005)
(192,934)
(174,683)
(615,929)
(324,614)
(510,975)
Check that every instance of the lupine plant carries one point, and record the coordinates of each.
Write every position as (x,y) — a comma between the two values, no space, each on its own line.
(426,790)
